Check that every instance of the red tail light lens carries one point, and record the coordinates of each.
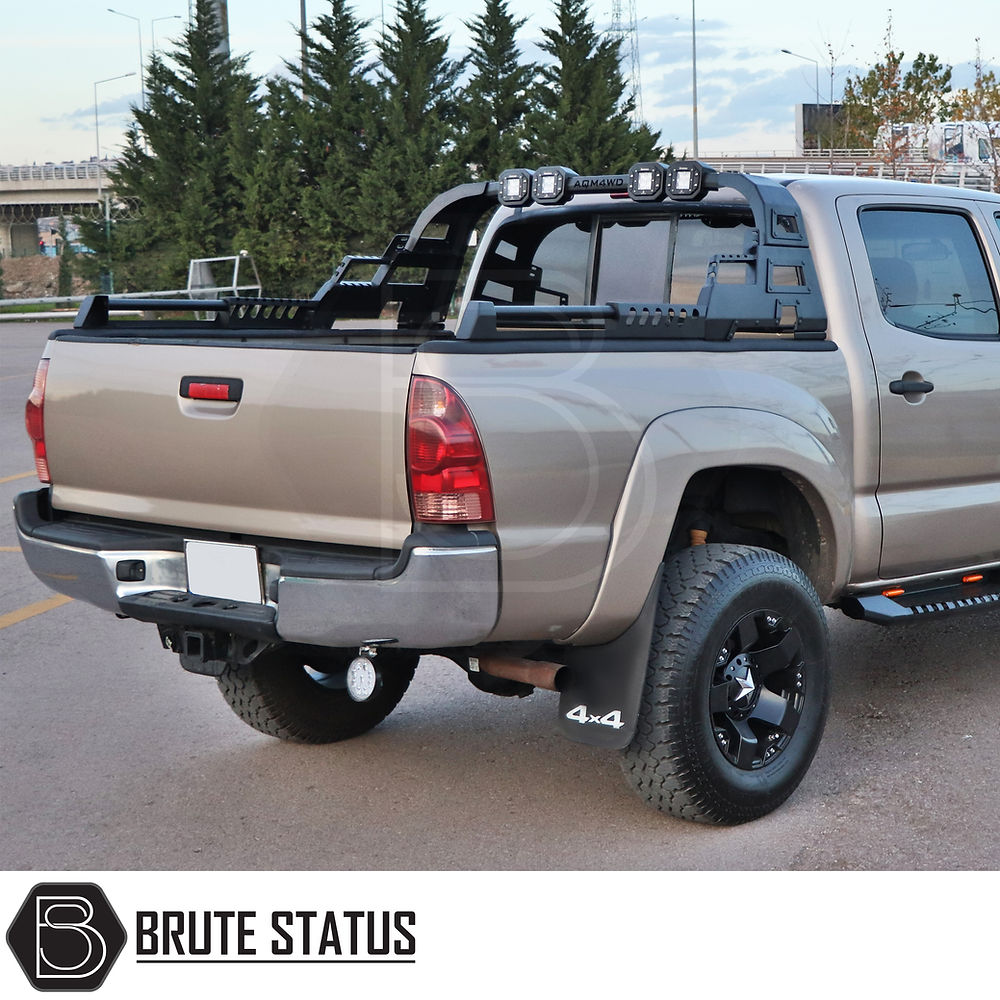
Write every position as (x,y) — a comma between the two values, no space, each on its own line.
(449,480)
(34,421)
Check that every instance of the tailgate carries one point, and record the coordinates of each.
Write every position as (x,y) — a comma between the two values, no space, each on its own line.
(314,448)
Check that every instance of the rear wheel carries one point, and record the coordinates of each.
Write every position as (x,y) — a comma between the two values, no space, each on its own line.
(301,694)
(737,687)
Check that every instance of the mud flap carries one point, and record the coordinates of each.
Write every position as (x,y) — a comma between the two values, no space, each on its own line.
(601,686)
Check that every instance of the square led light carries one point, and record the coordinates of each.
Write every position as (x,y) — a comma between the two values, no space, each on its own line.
(684,181)
(515,187)
(691,180)
(647,181)
(549,185)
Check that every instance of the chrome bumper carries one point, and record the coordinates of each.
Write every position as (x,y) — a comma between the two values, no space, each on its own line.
(439,594)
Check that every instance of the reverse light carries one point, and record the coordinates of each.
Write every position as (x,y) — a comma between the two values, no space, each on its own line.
(34,421)
(449,479)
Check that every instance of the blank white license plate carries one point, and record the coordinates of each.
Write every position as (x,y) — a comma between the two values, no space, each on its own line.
(218,569)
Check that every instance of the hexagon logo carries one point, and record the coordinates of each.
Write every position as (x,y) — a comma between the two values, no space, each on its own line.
(66,936)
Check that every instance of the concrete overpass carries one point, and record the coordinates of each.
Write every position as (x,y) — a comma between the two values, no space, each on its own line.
(30,193)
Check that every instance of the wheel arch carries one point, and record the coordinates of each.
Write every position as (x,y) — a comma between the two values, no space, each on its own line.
(722,457)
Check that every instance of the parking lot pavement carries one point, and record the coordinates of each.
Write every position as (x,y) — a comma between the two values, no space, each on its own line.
(114,758)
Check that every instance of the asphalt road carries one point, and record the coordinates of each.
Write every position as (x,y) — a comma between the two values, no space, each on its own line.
(113,758)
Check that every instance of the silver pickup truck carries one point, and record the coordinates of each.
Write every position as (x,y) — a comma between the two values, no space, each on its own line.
(678,412)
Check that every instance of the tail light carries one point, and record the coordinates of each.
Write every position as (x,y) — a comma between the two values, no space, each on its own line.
(449,480)
(34,421)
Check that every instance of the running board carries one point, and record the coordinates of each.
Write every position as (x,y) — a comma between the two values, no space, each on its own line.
(896,606)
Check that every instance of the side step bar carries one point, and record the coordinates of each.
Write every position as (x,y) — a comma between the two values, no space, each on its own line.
(895,605)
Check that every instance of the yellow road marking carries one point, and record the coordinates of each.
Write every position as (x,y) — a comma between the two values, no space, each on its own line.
(10,548)
(3,378)
(39,608)
(20,475)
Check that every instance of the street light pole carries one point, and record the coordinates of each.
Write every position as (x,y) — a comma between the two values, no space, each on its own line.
(694,81)
(152,28)
(815,62)
(97,135)
(142,71)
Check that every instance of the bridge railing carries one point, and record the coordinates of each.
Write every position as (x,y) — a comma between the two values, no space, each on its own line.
(964,175)
(55,171)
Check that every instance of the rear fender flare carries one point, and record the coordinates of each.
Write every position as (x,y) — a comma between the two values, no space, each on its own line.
(674,448)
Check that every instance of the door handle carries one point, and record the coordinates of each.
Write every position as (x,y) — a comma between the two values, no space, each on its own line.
(903,386)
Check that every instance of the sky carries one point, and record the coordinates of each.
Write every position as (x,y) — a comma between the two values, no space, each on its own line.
(53,52)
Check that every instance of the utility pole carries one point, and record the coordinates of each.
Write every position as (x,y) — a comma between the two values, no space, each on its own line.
(302,22)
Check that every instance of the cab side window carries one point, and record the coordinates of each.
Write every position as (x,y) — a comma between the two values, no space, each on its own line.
(930,273)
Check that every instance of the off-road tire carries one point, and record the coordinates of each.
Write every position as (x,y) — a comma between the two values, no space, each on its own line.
(277,694)
(737,687)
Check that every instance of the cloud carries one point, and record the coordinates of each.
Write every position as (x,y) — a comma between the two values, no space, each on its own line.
(114,115)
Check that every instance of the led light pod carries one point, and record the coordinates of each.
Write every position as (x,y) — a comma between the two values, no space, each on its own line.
(690,180)
(648,181)
(550,185)
(515,188)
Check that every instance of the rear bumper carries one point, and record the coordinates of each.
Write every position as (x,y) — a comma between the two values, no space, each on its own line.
(441,590)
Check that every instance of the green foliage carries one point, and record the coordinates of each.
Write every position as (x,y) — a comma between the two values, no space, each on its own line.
(877,105)
(498,96)
(416,126)
(300,214)
(584,121)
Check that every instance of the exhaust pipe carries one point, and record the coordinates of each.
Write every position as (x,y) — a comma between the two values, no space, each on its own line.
(537,673)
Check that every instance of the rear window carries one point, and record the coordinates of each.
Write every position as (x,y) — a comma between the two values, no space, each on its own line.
(594,259)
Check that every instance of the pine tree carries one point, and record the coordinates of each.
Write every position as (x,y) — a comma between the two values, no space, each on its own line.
(273,227)
(184,160)
(302,187)
(497,98)
(584,120)
(336,132)
(413,151)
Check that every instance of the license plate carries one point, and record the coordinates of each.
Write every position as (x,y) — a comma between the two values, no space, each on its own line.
(219,569)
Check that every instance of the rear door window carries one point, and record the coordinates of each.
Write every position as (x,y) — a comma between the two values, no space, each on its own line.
(930,272)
